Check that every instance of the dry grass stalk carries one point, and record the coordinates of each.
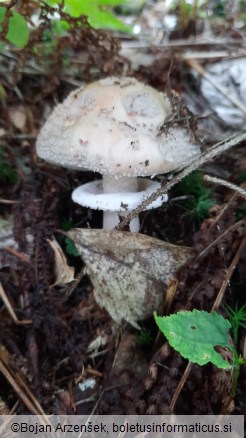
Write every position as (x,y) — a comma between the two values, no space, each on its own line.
(10,309)
(224,183)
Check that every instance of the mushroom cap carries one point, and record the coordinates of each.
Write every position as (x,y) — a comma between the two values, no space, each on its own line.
(112,126)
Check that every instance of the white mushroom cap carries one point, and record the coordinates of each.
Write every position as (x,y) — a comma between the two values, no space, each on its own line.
(111,127)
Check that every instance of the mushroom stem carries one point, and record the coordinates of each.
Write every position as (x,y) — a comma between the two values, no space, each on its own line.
(123,184)
(119,185)
(112,218)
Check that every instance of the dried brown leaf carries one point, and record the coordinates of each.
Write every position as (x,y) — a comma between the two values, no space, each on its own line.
(18,116)
(129,271)
(63,272)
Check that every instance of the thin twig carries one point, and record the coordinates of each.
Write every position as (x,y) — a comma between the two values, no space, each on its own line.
(180,386)
(16,387)
(185,43)
(225,183)
(224,54)
(10,309)
(18,383)
(221,236)
(12,251)
(224,208)
(213,152)
(8,201)
(229,273)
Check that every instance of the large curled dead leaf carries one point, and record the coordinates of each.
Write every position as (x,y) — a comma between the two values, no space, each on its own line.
(129,271)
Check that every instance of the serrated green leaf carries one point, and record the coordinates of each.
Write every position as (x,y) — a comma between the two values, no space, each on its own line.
(196,334)
(18,32)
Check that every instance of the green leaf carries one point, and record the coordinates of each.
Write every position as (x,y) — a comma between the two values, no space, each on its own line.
(2,13)
(60,26)
(76,8)
(99,18)
(2,16)
(111,2)
(53,2)
(18,32)
(70,247)
(196,334)
(107,20)
(97,11)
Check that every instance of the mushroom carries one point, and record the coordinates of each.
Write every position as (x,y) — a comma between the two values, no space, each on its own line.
(112,126)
